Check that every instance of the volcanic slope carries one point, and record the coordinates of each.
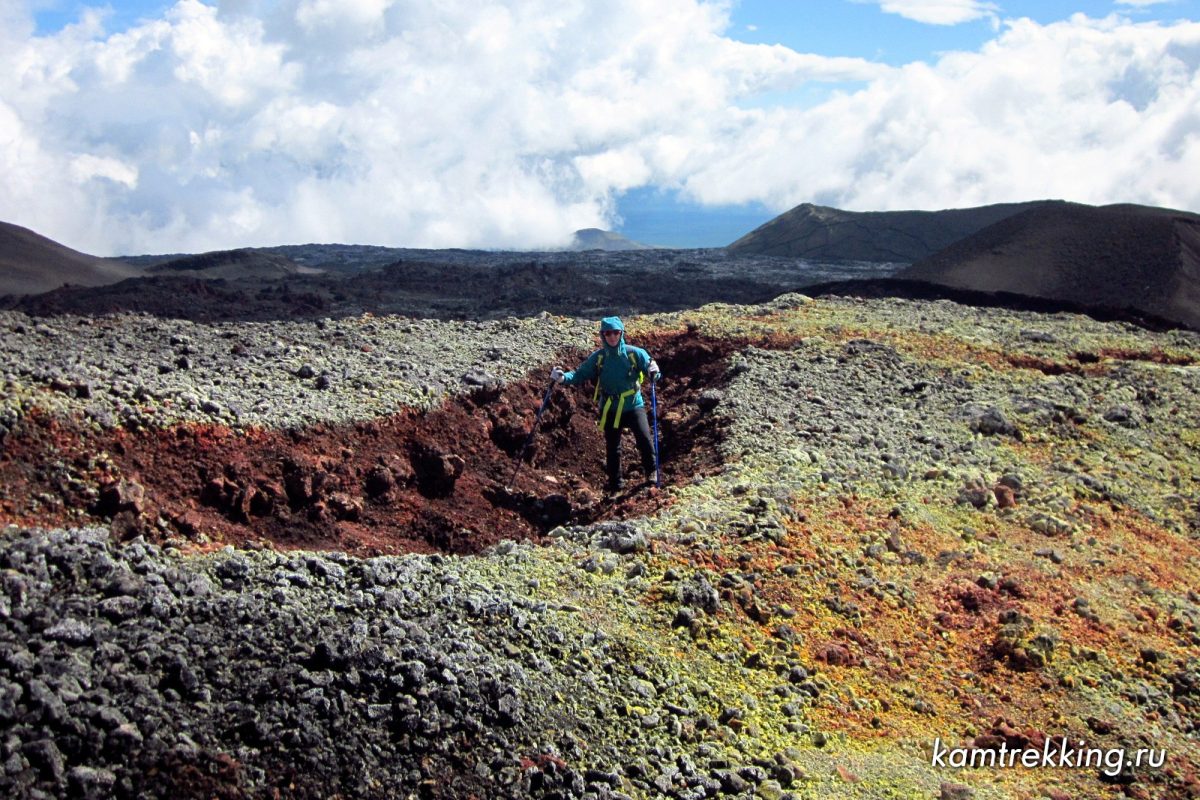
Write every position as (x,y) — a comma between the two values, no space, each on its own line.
(1120,257)
(818,232)
(31,264)
(883,523)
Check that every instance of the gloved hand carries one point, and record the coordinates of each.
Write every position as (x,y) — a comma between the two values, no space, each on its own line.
(653,372)
(557,375)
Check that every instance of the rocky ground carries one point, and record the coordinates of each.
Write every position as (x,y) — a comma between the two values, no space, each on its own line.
(288,559)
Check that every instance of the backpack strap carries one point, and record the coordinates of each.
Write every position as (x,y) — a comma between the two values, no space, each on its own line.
(641,376)
(599,366)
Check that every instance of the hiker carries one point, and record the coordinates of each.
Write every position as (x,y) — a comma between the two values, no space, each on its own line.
(619,370)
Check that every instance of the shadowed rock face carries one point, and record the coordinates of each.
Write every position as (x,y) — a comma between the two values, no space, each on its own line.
(822,233)
(1121,257)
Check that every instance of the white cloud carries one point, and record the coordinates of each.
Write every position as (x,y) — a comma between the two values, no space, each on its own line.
(227,60)
(618,169)
(1085,110)
(391,121)
(87,167)
(940,12)
(511,124)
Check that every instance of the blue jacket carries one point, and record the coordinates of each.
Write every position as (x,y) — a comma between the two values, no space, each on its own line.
(620,376)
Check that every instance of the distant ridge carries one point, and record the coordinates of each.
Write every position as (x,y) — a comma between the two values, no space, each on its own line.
(31,264)
(820,233)
(597,239)
(232,264)
(1131,257)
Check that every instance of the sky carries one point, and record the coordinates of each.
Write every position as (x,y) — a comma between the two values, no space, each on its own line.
(168,127)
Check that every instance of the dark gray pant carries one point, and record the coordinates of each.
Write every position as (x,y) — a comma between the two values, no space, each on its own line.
(634,419)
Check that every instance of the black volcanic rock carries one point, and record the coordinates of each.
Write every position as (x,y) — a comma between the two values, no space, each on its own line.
(335,281)
(829,234)
(1124,257)
(177,297)
(588,284)
(233,264)
(30,264)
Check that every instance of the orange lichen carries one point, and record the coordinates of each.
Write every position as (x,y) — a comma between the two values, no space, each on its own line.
(1155,355)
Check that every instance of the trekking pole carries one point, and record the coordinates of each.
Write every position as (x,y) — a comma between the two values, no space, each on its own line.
(654,413)
(528,439)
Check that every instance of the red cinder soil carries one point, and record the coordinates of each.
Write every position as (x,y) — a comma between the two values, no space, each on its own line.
(412,482)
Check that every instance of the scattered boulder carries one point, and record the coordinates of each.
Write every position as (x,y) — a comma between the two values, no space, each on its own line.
(988,420)
(1022,647)
(975,492)
(479,377)
(380,481)
(836,654)
(696,592)
(622,538)
(436,471)
(121,495)
(1048,524)
(345,506)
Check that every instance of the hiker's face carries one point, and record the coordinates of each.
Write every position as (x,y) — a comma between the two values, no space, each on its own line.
(611,338)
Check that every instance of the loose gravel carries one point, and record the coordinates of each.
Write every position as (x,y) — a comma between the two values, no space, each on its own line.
(136,370)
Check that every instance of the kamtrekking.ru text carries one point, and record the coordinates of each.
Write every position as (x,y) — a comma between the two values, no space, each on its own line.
(1054,753)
